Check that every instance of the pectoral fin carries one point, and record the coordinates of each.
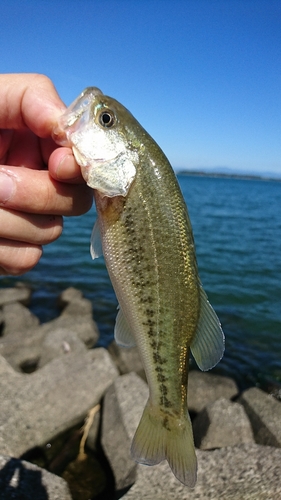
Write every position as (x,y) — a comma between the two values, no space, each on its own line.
(96,246)
(122,331)
(207,346)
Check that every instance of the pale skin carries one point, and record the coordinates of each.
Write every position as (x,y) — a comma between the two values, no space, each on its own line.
(39,181)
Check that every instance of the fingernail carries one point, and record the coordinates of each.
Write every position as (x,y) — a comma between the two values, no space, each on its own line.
(7,187)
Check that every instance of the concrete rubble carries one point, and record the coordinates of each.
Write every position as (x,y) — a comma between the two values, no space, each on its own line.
(51,379)
(21,480)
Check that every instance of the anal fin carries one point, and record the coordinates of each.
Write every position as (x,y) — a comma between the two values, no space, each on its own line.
(122,331)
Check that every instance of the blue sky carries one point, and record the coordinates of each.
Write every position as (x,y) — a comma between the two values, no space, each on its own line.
(202,76)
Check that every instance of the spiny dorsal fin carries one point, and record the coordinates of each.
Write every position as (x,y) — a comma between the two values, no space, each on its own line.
(207,346)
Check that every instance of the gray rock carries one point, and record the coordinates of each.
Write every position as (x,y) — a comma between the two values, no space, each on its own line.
(36,408)
(78,307)
(26,345)
(264,412)
(18,319)
(76,317)
(60,342)
(126,359)
(21,339)
(21,480)
(82,325)
(248,472)
(222,424)
(206,388)
(20,293)
(123,406)
(22,349)
(68,295)
(1,320)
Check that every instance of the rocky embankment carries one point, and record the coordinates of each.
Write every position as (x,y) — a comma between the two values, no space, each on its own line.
(69,412)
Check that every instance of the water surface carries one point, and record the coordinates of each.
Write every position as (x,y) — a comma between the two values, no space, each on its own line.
(237,230)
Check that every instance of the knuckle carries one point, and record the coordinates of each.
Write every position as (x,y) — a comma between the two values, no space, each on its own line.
(55,228)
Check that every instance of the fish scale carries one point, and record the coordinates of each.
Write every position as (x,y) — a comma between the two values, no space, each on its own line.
(146,238)
(170,286)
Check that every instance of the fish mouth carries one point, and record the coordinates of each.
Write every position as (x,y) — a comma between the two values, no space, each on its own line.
(74,115)
(60,136)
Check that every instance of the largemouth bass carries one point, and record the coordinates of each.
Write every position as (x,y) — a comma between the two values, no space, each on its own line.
(144,232)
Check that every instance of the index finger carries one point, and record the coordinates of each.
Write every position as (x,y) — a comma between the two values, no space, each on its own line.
(29,100)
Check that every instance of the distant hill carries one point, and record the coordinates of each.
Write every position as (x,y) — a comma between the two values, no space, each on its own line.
(228,172)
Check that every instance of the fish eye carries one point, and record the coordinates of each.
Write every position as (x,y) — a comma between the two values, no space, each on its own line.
(107,118)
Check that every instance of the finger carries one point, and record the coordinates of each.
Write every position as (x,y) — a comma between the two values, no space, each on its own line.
(29,100)
(24,150)
(17,258)
(63,167)
(30,228)
(34,191)
(6,137)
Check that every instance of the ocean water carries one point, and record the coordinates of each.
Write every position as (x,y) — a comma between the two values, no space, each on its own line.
(237,230)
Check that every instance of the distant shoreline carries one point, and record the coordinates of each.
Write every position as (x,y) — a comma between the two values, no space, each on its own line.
(201,173)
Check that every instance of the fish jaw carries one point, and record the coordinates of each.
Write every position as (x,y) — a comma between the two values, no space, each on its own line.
(107,165)
(74,116)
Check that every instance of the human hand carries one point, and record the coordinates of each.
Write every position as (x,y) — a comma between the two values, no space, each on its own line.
(32,198)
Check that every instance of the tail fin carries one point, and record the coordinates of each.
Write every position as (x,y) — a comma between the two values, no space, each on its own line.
(162,436)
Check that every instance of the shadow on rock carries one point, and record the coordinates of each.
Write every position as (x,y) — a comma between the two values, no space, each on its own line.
(18,482)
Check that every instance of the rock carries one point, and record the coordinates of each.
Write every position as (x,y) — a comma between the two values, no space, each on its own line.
(222,424)
(264,412)
(60,342)
(22,349)
(127,359)
(18,319)
(26,344)
(124,403)
(247,472)
(82,325)
(68,295)
(21,339)
(78,307)
(206,388)
(38,407)
(1,322)
(79,310)
(20,293)
(21,480)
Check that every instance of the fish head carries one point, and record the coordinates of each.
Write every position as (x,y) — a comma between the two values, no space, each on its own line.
(99,131)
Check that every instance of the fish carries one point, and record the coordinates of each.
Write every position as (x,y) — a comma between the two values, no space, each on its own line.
(144,232)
